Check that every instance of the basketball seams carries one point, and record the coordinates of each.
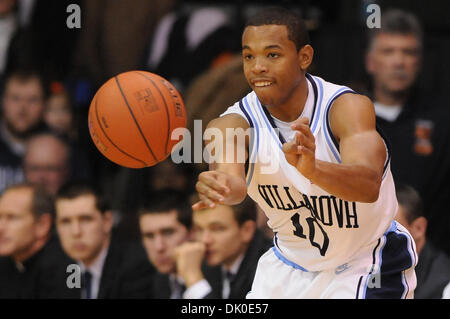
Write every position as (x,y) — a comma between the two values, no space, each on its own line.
(167,110)
(109,139)
(134,118)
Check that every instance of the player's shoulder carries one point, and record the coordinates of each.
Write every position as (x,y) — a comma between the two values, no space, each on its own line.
(353,99)
(351,111)
(352,103)
(232,120)
(233,117)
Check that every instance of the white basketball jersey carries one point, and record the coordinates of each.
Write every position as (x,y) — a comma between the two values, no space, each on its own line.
(313,229)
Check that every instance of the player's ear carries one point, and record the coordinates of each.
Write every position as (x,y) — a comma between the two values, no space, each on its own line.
(305,56)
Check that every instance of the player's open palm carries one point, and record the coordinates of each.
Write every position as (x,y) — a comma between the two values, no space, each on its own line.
(300,151)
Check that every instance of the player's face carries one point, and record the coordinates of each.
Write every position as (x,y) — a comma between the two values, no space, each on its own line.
(17,223)
(271,63)
(218,229)
(394,61)
(83,230)
(23,105)
(161,234)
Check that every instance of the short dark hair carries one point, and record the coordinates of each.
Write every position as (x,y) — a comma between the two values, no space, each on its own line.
(24,75)
(297,31)
(411,201)
(396,21)
(41,202)
(76,189)
(244,211)
(166,200)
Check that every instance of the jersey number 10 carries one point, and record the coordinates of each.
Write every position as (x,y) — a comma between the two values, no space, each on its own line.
(312,231)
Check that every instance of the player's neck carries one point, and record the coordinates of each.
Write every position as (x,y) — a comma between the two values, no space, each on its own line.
(292,108)
(390,98)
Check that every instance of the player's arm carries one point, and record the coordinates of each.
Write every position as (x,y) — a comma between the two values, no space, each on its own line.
(224,183)
(362,151)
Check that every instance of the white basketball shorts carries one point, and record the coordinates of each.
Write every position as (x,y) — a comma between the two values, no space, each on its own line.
(385,270)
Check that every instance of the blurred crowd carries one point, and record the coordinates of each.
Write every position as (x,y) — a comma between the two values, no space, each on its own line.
(75,225)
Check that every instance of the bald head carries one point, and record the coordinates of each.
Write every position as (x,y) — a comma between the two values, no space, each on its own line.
(46,161)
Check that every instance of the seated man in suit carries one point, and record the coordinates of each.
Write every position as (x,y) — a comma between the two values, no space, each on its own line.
(109,268)
(27,246)
(165,225)
(433,268)
(231,241)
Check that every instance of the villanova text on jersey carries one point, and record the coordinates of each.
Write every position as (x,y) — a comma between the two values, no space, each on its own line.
(328,209)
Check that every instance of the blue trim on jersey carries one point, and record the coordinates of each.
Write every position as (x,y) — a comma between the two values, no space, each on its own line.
(252,147)
(269,126)
(388,147)
(331,141)
(253,153)
(272,123)
(314,87)
(327,117)
(315,120)
(287,261)
(375,263)
(396,256)
(392,228)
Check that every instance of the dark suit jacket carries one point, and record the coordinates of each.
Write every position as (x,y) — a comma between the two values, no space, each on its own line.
(126,273)
(431,171)
(241,284)
(433,273)
(37,272)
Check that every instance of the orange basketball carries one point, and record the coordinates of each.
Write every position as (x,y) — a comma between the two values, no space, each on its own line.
(132,116)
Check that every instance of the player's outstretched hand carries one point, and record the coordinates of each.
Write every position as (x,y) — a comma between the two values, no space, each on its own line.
(300,151)
(212,188)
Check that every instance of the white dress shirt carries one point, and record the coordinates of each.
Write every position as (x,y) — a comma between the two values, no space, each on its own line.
(233,270)
(96,270)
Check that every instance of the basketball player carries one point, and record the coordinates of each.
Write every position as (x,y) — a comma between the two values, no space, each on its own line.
(331,199)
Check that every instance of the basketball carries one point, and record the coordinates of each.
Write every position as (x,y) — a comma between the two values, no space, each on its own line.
(132,116)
